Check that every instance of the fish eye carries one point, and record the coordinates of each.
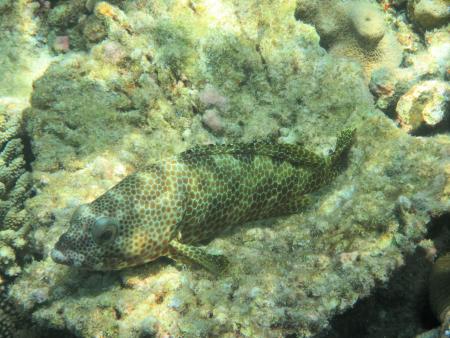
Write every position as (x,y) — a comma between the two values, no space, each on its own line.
(104,229)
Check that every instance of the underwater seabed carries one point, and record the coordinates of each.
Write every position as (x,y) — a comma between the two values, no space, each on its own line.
(91,91)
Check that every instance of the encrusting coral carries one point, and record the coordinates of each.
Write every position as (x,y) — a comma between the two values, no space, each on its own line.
(354,29)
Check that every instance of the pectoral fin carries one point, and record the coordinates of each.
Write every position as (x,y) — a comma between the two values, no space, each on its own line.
(182,252)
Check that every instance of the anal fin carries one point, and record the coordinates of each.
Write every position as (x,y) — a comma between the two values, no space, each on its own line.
(213,263)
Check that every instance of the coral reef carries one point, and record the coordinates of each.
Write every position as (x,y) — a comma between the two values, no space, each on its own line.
(141,80)
(354,29)
(68,20)
(78,22)
(22,59)
(359,30)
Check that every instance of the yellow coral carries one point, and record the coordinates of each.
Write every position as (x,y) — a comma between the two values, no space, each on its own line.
(105,9)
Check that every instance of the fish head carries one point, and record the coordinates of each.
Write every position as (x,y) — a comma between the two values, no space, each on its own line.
(130,224)
(90,242)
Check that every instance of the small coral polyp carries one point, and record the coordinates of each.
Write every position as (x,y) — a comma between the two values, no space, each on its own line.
(367,22)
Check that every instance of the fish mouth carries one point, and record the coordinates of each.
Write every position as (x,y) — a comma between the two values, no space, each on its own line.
(67,258)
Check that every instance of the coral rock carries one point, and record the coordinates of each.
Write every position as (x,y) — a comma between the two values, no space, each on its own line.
(424,105)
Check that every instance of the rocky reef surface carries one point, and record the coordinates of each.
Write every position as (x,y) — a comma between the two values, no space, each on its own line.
(134,81)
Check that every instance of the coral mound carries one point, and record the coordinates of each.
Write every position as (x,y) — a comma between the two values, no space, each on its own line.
(368,22)
(353,29)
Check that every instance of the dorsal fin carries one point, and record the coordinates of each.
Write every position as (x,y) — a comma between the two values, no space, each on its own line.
(344,142)
(295,154)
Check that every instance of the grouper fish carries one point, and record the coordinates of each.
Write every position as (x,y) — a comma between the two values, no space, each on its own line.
(174,204)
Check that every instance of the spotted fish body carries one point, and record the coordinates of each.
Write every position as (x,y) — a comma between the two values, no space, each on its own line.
(191,198)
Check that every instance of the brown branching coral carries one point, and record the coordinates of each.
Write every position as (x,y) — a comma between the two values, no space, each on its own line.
(14,189)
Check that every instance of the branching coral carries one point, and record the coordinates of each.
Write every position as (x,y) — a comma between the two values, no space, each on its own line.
(7,313)
(14,189)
